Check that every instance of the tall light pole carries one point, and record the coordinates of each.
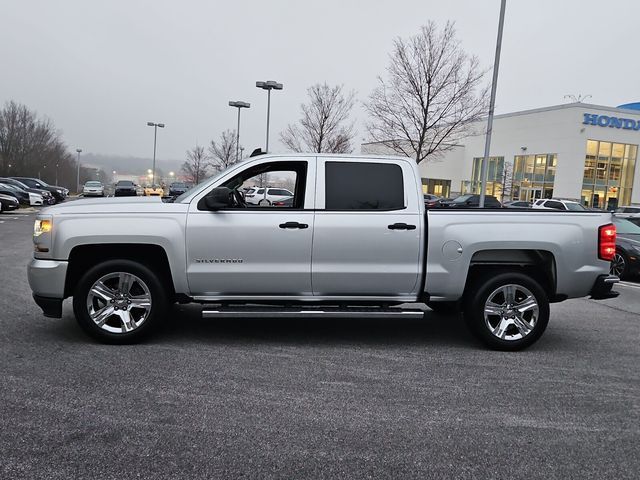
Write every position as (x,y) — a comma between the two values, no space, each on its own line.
(155,137)
(78,151)
(268,86)
(239,105)
(492,103)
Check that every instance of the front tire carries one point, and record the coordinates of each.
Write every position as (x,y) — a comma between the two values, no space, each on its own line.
(507,311)
(119,301)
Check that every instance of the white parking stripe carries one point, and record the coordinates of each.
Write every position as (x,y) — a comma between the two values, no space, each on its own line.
(628,284)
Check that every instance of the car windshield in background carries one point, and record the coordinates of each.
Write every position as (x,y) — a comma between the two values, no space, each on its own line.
(124,183)
(626,227)
(462,198)
(93,184)
(178,185)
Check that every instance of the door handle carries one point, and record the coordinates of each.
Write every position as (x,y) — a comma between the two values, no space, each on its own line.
(401,226)
(293,225)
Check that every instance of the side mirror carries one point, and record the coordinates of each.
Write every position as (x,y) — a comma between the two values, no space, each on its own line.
(218,198)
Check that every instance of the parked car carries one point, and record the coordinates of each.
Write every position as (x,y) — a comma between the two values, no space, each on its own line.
(439,203)
(472,201)
(93,188)
(46,195)
(23,197)
(517,204)
(626,261)
(286,202)
(139,190)
(59,193)
(430,200)
(354,249)
(558,204)
(8,202)
(177,188)
(153,190)
(628,209)
(125,188)
(635,220)
(266,196)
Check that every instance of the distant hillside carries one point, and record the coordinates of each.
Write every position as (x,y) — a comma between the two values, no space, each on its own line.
(128,165)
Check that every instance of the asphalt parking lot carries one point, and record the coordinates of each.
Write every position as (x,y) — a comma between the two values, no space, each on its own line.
(314,399)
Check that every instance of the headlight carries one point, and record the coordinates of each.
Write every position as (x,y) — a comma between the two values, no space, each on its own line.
(42,226)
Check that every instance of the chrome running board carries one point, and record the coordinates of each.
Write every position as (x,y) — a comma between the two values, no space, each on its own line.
(307,312)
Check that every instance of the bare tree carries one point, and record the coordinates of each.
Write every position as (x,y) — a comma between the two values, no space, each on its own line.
(196,166)
(223,153)
(31,146)
(324,126)
(432,93)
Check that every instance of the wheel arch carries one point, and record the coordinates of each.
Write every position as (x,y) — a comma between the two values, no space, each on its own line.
(84,257)
(540,265)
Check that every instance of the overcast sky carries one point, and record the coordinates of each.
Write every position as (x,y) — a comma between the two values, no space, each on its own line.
(101,70)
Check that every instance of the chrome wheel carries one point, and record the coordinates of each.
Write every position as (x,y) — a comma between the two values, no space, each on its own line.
(618,265)
(511,312)
(119,302)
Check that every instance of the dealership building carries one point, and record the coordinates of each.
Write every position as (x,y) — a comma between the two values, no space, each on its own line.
(577,151)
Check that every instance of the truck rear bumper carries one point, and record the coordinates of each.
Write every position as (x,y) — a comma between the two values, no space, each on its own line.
(602,288)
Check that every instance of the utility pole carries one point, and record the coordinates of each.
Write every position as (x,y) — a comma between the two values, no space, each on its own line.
(492,103)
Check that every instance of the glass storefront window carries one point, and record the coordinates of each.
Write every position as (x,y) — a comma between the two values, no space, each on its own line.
(608,176)
(436,186)
(495,177)
(533,176)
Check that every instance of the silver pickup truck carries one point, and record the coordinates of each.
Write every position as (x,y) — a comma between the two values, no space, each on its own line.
(354,240)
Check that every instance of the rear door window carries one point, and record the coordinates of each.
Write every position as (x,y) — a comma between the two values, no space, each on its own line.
(363,186)
(555,205)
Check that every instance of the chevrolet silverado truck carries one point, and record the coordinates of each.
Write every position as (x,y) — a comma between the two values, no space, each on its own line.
(355,241)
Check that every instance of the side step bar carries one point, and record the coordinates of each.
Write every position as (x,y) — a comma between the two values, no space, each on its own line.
(307,312)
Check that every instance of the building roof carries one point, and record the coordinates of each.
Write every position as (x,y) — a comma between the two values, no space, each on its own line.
(564,106)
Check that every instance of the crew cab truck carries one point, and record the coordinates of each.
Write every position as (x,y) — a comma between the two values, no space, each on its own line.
(356,241)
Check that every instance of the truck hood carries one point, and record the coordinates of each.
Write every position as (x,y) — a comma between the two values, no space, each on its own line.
(115,205)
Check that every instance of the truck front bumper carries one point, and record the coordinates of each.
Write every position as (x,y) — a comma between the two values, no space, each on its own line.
(47,279)
(602,289)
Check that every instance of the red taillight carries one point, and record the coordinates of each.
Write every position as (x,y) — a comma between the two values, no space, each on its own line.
(607,242)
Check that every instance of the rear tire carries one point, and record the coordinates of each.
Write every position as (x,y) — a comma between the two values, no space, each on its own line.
(507,311)
(119,302)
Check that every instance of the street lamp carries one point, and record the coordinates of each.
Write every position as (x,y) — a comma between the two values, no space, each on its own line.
(239,105)
(155,136)
(268,86)
(78,151)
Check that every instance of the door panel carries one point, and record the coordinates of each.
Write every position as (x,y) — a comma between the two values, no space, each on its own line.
(257,251)
(247,253)
(356,253)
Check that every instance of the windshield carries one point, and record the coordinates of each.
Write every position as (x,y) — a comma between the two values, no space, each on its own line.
(462,198)
(208,180)
(178,185)
(626,227)
(124,183)
(93,184)
(574,206)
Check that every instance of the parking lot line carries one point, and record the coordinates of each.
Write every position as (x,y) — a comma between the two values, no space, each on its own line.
(629,284)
